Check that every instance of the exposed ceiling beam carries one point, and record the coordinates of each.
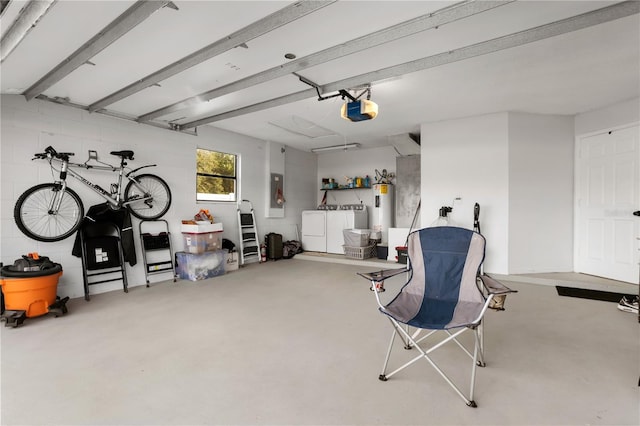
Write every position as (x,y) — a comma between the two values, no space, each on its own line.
(26,20)
(438,18)
(137,13)
(269,23)
(3,6)
(578,22)
(66,102)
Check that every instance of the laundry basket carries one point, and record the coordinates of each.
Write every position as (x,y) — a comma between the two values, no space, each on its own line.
(360,252)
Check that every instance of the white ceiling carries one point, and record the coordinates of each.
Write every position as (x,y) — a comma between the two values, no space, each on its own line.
(560,70)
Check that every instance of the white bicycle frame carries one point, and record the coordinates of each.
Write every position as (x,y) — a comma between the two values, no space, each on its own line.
(114,197)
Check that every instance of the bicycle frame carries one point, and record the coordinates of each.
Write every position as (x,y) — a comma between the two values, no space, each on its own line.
(53,211)
(114,198)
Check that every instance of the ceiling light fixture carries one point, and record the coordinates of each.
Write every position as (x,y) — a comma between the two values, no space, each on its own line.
(336,147)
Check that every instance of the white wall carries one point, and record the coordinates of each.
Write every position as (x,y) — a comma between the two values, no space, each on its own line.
(468,158)
(352,163)
(540,193)
(300,191)
(519,168)
(29,127)
(616,115)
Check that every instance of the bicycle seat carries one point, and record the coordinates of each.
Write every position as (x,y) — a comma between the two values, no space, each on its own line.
(128,155)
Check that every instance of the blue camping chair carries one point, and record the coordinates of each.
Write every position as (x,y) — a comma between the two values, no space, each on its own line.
(446,292)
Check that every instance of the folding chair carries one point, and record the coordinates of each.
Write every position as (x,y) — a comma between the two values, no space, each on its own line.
(102,255)
(445,292)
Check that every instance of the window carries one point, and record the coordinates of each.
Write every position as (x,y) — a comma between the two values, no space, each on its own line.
(216,176)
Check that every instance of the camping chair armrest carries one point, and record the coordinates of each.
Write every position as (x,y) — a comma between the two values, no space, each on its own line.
(493,286)
(382,274)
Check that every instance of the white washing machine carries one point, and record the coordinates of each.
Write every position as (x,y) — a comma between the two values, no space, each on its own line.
(339,220)
(322,229)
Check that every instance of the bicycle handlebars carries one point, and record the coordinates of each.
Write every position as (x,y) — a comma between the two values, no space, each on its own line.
(49,152)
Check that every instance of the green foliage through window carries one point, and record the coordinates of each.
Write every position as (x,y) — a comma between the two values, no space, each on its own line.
(216,176)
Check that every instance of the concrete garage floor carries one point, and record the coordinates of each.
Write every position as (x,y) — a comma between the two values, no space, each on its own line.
(301,342)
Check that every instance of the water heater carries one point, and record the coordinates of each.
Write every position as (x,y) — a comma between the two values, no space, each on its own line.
(383,209)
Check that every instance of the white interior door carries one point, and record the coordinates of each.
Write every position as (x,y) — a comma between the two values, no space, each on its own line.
(607,194)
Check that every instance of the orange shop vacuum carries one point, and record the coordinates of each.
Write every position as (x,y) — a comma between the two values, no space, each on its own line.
(29,289)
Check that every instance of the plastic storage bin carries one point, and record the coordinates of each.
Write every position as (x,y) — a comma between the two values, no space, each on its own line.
(356,237)
(200,228)
(200,266)
(202,242)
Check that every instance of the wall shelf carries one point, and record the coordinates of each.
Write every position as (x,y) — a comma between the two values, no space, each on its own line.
(345,188)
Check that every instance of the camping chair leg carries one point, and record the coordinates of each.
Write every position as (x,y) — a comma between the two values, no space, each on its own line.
(480,343)
(407,344)
(477,353)
(470,402)
(465,350)
(424,354)
(386,359)
(400,331)
(478,331)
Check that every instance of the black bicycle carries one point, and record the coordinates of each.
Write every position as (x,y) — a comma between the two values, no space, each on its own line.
(52,211)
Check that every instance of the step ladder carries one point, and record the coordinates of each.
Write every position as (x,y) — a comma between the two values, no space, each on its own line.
(249,243)
(157,252)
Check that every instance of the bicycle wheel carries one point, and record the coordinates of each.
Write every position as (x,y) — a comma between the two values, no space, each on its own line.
(34,218)
(145,186)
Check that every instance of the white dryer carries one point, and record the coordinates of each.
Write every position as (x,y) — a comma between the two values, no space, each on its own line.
(314,230)
(322,229)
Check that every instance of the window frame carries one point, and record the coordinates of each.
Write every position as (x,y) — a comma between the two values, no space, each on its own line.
(235,178)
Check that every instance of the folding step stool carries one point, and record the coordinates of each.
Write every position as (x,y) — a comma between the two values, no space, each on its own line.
(249,246)
(157,248)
